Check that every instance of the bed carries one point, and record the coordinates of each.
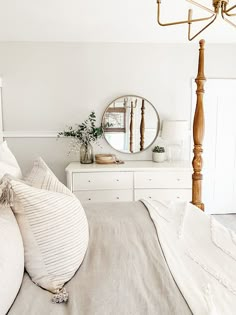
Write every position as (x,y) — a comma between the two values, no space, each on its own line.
(122,273)
(126,270)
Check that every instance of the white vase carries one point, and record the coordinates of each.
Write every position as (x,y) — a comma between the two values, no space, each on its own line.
(158,157)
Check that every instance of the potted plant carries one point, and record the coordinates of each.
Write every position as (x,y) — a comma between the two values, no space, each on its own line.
(158,154)
(83,135)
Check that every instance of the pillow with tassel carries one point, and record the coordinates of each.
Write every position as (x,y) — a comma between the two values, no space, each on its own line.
(53,225)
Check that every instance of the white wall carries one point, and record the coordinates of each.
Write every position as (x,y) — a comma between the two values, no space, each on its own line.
(46,86)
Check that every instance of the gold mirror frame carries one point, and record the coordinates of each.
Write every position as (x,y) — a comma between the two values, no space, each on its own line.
(142,124)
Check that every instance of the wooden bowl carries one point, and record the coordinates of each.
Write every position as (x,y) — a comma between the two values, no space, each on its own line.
(105,158)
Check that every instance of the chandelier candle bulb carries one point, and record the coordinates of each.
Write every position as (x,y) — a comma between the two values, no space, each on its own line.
(190,15)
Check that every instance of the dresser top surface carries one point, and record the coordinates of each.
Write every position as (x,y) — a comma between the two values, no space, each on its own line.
(129,166)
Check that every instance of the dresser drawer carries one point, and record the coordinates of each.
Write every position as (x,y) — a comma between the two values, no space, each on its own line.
(104,180)
(164,194)
(173,179)
(104,195)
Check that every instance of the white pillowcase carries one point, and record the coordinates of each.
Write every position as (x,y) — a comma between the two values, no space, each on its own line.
(42,177)
(53,225)
(8,163)
(11,259)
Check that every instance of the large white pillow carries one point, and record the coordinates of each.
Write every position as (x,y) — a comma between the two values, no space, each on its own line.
(53,225)
(11,259)
(8,163)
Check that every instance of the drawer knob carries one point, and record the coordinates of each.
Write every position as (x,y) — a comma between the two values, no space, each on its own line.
(150,197)
(117,180)
(178,179)
(150,179)
(178,197)
(117,198)
(89,181)
(89,199)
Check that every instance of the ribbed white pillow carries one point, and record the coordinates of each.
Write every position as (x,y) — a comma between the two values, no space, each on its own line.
(11,259)
(42,177)
(54,228)
(8,163)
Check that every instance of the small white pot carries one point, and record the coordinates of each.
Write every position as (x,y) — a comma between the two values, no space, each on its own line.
(158,157)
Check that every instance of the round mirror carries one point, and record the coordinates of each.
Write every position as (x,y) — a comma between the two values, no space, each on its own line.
(131,124)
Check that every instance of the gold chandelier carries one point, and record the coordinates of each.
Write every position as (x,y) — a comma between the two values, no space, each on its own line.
(220,7)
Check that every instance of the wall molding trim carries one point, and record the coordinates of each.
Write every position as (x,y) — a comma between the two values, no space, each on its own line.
(29,134)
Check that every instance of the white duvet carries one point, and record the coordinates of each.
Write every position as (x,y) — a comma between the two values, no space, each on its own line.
(201,255)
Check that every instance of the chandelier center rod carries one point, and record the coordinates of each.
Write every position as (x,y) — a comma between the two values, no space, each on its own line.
(217,4)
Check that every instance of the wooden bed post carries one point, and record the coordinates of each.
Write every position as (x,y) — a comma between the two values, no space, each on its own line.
(131,138)
(198,132)
(142,126)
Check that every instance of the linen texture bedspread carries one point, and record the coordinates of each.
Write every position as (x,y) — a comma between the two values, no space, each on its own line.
(124,271)
(201,255)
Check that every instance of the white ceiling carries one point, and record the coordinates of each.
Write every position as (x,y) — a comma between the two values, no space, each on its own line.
(101,21)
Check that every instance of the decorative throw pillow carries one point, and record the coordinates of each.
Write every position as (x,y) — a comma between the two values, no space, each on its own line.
(42,177)
(11,259)
(8,163)
(54,228)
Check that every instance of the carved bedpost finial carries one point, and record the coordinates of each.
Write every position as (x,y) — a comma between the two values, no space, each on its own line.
(202,43)
(198,132)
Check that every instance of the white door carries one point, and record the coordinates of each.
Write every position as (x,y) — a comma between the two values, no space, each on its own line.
(219,184)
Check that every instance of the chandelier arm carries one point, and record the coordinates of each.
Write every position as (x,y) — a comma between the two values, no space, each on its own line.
(227,20)
(228,14)
(201,6)
(203,29)
(230,9)
(179,22)
(233,7)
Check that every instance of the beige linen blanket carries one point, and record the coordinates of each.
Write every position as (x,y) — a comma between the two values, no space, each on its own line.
(201,254)
(124,271)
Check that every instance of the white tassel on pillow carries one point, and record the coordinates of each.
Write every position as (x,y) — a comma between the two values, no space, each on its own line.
(61,296)
(6,192)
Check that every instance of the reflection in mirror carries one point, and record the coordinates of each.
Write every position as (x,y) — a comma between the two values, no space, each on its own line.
(131,124)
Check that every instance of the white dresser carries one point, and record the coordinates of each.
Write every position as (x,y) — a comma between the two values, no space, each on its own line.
(131,181)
